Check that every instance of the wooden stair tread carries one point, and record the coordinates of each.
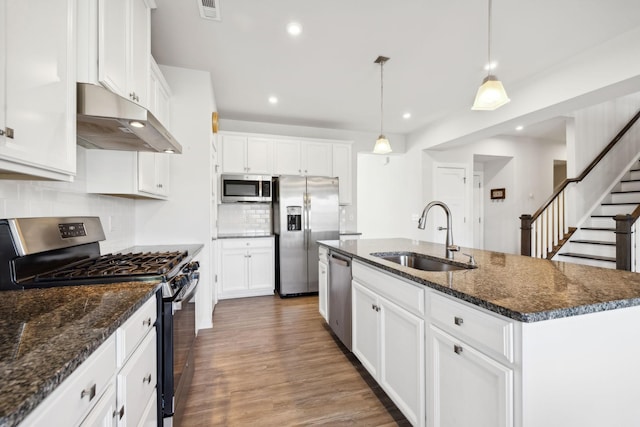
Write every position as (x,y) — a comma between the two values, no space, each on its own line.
(622,203)
(598,228)
(595,242)
(625,191)
(630,180)
(585,256)
(602,216)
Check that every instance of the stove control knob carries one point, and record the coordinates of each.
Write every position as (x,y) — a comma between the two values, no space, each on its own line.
(192,266)
(179,281)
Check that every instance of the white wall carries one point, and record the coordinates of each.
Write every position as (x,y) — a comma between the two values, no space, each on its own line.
(362,143)
(396,193)
(184,218)
(47,198)
(382,195)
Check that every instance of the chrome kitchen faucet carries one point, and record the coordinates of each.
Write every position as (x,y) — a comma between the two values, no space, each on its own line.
(449,246)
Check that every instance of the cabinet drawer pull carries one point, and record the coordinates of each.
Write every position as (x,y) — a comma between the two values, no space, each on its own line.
(91,392)
(458,320)
(121,412)
(147,379)
(147,322)
(8,132)
(457,349)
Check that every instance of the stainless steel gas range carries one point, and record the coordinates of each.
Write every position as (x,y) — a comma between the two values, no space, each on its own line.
(64,251)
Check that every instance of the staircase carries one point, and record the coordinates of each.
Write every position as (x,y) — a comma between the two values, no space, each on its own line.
(594,242)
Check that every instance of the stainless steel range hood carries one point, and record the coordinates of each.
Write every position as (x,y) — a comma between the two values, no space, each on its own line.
(110,122)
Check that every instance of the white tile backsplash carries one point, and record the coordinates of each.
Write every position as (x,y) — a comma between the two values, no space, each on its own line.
(244,218)
(49,198)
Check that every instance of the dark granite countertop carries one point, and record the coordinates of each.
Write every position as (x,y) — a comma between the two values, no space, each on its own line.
(522,288)
(45,334)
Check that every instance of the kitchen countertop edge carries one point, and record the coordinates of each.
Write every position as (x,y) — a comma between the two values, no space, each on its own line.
(525,317)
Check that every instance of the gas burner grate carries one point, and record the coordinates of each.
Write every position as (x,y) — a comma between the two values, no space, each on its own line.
(118,265)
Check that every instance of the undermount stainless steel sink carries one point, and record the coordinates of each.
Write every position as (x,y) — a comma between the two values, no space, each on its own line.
(421,262)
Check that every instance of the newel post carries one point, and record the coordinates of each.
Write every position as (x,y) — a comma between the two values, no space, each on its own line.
(623,241)
(525,235)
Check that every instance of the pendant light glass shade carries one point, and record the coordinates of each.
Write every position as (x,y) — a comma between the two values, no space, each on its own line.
(382,143)
(491,94)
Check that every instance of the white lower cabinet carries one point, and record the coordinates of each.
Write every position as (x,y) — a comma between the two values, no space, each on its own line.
(468,388)
(114,386)
(246,267)
(323,283)
(137,383)
(471,374)
(389,342)
(104,413)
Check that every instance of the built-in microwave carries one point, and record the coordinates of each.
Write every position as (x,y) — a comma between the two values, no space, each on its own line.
(246,188)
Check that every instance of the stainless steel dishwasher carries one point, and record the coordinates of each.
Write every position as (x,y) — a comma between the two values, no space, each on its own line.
(340,296)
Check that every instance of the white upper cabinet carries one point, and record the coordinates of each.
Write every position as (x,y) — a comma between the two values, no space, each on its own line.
(159,94)
(287,157)
(37,89)
(124,48)
(242,154)
(302,158)
(139,175)
(316,159)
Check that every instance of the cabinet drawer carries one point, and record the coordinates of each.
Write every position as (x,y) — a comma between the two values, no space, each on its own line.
(134,329)
(137,381)
(256,242)
(80,392)
(323,254)
(487,332)
(406,295)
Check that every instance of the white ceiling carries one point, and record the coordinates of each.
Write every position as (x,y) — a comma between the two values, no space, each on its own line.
(326,77)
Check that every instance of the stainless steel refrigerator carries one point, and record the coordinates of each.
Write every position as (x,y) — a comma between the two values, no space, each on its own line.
(305,210)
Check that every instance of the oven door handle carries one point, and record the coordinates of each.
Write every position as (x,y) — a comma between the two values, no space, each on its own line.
(191,289)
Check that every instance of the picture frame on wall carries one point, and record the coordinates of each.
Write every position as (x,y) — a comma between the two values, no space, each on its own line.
(498,193)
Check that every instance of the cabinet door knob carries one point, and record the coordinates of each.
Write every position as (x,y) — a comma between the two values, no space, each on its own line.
(457,349)
(91,392)
(8,132)
(121,412)
(458,320)
(146,322)
(146,379)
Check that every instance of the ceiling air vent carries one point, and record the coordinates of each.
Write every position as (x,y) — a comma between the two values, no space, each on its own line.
(209,9)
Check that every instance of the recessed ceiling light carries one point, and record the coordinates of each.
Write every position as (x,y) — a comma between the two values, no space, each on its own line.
(273,100)
(136,124)
(491,66)
(294,29)
(406,116)
(169,151)
(519,128)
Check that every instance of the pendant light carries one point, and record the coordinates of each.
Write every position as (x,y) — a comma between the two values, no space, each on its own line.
(491,94)
(382,143)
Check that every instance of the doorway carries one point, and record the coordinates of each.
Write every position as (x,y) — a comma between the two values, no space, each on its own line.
(449,186)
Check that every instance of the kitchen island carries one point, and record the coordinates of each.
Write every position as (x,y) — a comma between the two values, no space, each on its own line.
(46,334)
(517,341)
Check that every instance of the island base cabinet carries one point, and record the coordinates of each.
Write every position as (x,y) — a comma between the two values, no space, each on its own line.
(468,388)
(389,342)
(323,282)
(365,337)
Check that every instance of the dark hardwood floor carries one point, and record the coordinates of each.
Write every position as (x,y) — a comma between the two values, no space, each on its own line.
(273,362)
